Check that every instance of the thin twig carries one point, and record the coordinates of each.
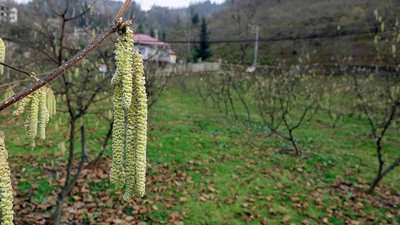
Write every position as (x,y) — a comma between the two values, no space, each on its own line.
(63,68)
(29,74)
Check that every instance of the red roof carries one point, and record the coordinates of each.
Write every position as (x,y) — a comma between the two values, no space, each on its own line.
(148,40)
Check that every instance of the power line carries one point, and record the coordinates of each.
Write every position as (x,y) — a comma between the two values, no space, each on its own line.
(278,39)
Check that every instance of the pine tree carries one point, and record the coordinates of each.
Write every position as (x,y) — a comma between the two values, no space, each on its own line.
(152,33)
(203,51)
(163,35)
(141,29)
(195,19)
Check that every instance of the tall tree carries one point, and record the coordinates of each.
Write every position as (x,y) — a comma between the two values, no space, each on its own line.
(163,35)
(152,33)
(141,29)
(195,19)
(203,50)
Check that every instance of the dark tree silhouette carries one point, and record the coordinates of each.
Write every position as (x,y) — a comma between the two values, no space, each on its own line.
(163,35)
(140,29)
(203,51)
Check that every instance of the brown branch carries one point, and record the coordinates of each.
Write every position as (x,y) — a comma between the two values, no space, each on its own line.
(63,68)
(122,10)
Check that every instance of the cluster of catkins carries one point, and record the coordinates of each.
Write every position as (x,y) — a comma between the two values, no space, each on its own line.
(130,108)
(6,192)
(2,55)
(35,106)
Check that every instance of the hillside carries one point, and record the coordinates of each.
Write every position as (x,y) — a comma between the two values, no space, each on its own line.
(297,19)
(167,19)
(288,27)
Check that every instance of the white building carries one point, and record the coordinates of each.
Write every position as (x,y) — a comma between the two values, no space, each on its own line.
(154,50)
(102,68)
(8,13)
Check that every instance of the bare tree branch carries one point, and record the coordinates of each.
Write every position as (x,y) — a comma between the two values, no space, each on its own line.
(63,68)
(81,14)
(30,74)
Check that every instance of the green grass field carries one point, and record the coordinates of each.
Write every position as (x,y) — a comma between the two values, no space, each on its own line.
(207,168)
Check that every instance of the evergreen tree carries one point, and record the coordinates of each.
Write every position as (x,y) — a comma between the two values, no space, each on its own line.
(195,19)
(141,29)
(203,50)
(152,33)
(163,35)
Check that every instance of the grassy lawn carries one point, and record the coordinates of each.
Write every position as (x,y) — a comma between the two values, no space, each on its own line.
(206,168)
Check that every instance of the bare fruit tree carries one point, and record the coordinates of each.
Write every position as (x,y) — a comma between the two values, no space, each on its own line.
(379,95)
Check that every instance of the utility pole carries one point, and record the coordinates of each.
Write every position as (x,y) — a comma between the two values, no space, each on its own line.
(255,29)
(188,34)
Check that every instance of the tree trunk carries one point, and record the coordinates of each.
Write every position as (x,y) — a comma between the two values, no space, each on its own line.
(293,141)
(59,203)
(382,174)
(233,108)
(58,211)
(226,107)
(243,102)
(374,183)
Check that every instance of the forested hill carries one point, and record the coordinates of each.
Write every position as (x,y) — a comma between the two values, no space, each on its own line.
(328,26)
(290,28)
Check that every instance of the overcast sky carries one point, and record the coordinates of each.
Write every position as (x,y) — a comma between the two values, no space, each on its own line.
(147,4)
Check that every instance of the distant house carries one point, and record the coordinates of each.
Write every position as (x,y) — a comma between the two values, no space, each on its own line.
(172,57)
(8,13)
(102,68)
(153,49)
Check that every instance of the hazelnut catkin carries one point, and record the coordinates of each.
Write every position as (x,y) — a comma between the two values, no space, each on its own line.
(130,159)
(117,173)
(6,192)
(21,106)
(2,55)
(129,101)
(51,102)
(139,92)
(32,119)
(43,114)
(123,58)
(35,106)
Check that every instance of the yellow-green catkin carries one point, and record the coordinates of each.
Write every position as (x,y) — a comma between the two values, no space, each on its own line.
(123,58)
(22,105)
(117,173)
(6,192)
(32,119)
(139,92)
(50,101)
(122,99)
(129,101)
(35,106)
(130,159)
(43,114)
(2,55)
